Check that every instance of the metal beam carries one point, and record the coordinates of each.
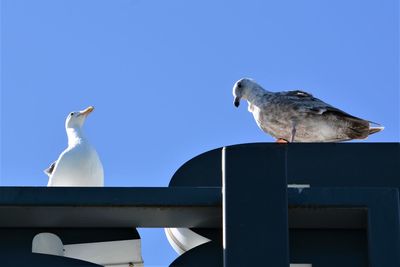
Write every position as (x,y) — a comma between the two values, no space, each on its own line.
(110,207)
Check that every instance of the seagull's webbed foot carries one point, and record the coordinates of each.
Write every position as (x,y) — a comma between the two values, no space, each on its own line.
(281,141)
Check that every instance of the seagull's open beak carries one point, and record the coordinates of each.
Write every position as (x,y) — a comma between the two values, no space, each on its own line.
(87,111)
(236,102)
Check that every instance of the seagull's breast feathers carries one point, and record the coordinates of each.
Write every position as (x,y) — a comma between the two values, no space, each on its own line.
(78,166)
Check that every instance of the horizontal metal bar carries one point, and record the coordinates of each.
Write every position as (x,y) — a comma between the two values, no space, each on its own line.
(171,207)
(110,207)
(109,196)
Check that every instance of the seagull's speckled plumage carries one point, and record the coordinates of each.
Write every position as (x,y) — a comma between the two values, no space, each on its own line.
(297,116)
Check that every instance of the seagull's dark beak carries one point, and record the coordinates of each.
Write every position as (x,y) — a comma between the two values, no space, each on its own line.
(236,102)
(87,111)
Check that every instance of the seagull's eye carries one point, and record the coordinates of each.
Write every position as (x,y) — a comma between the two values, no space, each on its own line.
(239,85)
(72,114)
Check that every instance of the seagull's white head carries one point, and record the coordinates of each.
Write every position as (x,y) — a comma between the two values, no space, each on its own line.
(76,119)
(242,88)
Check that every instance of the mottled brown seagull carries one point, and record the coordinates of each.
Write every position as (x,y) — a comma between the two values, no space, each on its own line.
(297,116)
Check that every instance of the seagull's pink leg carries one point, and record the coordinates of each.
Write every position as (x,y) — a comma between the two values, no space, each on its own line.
(281,141)
(293,134)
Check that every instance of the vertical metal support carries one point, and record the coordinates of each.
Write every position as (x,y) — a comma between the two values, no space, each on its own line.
(384,228)
(255,220)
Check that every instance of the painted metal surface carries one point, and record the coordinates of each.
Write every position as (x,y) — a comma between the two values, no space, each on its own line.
(348,217)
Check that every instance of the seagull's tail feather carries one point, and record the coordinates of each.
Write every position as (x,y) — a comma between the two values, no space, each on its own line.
(375,127)
(47,172)
(50,169)
(361,129)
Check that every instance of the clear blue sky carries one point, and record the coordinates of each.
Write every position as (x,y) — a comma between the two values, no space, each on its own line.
(160,74)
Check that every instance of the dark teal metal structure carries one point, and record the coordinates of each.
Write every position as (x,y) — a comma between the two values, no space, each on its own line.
(238,197)
(348,217)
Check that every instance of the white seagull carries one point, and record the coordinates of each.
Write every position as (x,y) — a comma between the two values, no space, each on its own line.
(297,116)
(78,164)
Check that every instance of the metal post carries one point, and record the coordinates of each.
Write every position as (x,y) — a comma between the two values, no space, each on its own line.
(255,220)
(384,229)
